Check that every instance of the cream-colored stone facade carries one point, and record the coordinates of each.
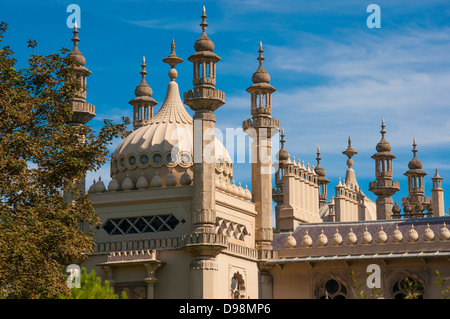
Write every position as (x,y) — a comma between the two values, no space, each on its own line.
(177,225)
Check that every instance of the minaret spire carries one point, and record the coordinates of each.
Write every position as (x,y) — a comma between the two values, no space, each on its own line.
(261,127)
(143,103)
(384,187)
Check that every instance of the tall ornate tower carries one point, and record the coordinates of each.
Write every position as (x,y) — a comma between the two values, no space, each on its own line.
(83,112)
(204,244)
(437,196)
(416,203)
(204,99)
(384,187)
(260,128)
(143,103)
(322,180)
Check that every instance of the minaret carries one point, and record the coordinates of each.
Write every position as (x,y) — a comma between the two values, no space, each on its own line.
(261,127)
(204,244)
(323,181)
(416,203)
(278,191)
(82,111)
(384,187)
(143,103)
(437,196)
(204,99)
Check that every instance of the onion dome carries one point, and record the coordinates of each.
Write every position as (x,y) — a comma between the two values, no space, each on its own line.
(415,163)
(127,184)
(351,238)
(170,180)
(204,43)
(283,154)
(383,145)
(397,235)
(185,179)
(75,54)
(91,189)
(322,240)
(428,234)
(165,142)
(381,236)
(156,181)
(412,235)
(319,170)
(290,241)
(99,186)
(444,234)
(336,240)
(113,185)
(261,75)
(366,237)
(143,89)
(306,241)
(142,182)
(396,209)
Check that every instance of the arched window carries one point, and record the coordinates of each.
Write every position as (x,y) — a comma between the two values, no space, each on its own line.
(408,288)
(237,286)
(332,289)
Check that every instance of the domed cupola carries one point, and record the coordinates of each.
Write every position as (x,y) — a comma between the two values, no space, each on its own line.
(164,146)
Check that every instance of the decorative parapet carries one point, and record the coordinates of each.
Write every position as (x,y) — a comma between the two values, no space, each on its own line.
(261,122)
(132,256)
(410,237)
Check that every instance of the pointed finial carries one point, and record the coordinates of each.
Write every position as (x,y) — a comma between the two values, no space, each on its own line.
(143,71)
(204,24)
(383,131)
(318,158)
(414,147)
(75,38)
(260,57)
(173,60)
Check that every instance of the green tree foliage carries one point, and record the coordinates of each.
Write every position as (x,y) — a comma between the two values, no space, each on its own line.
(91,287)
(40,158)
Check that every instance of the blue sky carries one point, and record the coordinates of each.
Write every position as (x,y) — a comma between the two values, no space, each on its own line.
(334,76)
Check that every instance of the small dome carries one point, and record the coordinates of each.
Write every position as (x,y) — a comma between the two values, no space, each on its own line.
(319,170)
(428,234)
(412,235)
(204,43)
(156,181)
(415,163)
(351,238)
(170,180)
(283,154)
(142,182)
(290,241)
(127,184)
(396,209)
(99,186)
(143,89)
(261,76)
(306,240)
(397,235)
(91,189)
(248,194)
(366,238)
(444,234)
(185,179)
(322,240)
(381,236)
(113,185)
(336,240)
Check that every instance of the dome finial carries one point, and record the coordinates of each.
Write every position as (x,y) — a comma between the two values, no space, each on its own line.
(260,57)
(173,60)
(204,24)
(143,71)
(414,147)
(383,131)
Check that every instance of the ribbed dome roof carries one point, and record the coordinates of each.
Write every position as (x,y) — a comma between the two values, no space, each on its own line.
(164,144)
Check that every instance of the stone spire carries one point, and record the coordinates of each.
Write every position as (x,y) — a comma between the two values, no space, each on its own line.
(82,111)
(350,177)
(143,103)
(261,127)
(322,180)
(172,110)
(204,99)
(384,187)
(437,196)
(416,203)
